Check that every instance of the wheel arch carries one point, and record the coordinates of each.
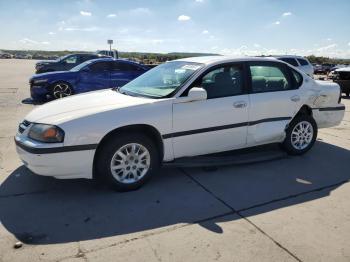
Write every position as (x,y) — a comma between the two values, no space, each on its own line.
(146,129)
(304,110)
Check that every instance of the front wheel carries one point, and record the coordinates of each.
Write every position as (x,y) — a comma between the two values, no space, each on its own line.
(300,135)
(128,161)
(60,90)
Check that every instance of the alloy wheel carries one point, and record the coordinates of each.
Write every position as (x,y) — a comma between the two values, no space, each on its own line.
(61,90)
(130,163)
(302,135)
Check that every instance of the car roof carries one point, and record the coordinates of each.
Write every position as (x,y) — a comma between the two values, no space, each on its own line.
(288,56)
(106,58)
(343,69)
(222,59)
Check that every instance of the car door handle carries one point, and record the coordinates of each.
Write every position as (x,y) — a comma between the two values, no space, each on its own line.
(295,98)
(239,104)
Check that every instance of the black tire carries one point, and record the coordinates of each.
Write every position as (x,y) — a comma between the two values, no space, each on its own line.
(347,94)
(108,151)
(287,144)
(54,92)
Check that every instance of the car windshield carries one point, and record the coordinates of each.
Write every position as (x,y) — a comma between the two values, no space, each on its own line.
(62,58)
(162,80)
(78,67)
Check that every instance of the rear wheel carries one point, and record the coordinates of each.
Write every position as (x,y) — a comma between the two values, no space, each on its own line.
(300,135)
(128,161)
(61,89)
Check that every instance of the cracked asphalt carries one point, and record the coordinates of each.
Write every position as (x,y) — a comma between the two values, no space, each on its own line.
(290,209)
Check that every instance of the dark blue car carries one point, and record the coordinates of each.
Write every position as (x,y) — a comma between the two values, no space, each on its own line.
(91,75)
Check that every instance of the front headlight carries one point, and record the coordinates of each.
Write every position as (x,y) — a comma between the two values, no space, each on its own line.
(46,133)
(39,81)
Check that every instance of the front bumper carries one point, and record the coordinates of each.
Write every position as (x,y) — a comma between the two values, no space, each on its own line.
(39,92)
(41,159)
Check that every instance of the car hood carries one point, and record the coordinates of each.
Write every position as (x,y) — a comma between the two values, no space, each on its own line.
(46,62)
(55,73)
(69,108)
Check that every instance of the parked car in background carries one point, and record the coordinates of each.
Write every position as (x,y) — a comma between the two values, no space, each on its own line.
(324,68)
(299,62)
(182,108)
(64,63)
(6,56)
(91,75)
(341,76)
(111,53)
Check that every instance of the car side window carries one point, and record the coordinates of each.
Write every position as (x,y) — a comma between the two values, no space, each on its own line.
(124,67)
(269,78)
(303,62)
(223,81)
(99,67)
(71,59)
(290,61)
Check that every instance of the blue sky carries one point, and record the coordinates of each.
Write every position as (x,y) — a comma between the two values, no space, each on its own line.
(236,27)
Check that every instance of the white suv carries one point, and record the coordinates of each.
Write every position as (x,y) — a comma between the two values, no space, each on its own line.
(299,62)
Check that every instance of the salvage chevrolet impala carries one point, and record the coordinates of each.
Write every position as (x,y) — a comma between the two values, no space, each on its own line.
(182,108)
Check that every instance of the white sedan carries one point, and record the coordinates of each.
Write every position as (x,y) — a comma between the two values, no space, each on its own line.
(182,108)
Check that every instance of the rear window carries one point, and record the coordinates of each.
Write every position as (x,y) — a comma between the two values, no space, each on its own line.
(125,67)
(290,61)
(298,78)
(303,62)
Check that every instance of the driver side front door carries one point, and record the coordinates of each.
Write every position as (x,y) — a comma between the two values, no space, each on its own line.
(218,123)
(96,78)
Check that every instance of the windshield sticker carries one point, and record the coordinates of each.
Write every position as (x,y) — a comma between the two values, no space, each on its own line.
(190,67)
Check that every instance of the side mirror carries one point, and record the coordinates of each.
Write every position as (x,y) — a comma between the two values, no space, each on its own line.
(197,94)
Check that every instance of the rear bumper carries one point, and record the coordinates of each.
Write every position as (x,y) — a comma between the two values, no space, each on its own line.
(328,116)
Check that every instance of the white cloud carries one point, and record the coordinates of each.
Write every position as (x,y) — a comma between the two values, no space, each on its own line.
(27,41)
(84,29)
(140,11)
(199,1)
(257,46)
(277,23)
(286,14)
(325,48)
(349,44)
(157,41)
(111,15)
(329,39)
(184,18)
(52,33)
(84,13)
(205,32)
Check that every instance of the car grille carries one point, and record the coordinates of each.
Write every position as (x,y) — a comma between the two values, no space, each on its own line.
(22,126)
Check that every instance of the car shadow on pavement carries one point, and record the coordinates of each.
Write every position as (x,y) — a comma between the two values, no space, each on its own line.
(43,210)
